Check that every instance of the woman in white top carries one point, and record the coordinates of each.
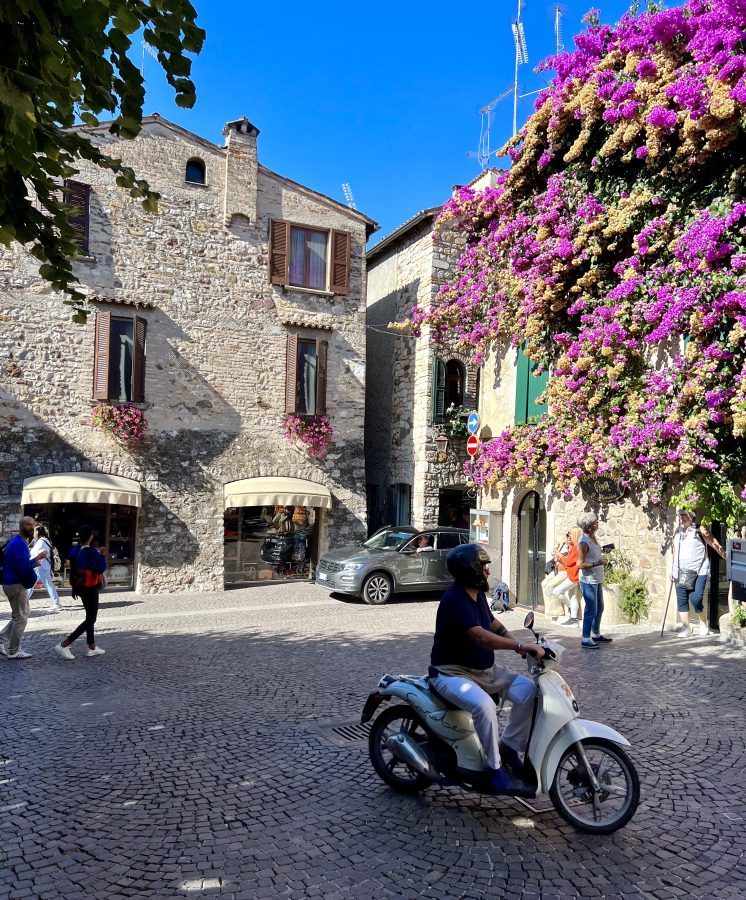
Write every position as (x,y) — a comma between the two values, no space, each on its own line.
(591,575)
(44,568)
(690,552)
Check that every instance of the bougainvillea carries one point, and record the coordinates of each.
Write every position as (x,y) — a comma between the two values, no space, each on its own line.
(127,424)
(613,251)
(314,432)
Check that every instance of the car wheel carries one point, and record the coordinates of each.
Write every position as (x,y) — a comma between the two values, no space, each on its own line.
(377,588)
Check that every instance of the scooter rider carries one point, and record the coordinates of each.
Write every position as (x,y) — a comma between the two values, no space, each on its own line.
(464,671)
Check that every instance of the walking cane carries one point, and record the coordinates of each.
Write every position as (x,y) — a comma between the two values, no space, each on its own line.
(663,623)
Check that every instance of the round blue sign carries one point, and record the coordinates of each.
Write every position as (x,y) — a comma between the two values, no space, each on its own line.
(472,423)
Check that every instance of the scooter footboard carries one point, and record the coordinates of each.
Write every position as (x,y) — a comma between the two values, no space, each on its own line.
(569,734)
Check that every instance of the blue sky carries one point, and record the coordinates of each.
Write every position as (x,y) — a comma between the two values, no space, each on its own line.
(385,96)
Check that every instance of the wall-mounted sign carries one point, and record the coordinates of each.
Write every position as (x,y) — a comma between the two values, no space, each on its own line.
(472,423)
(472,444)
(601,489)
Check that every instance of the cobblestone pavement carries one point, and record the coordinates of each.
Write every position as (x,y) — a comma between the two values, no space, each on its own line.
(196,758)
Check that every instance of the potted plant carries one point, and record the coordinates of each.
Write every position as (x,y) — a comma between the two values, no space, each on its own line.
(125,423)
(626,591)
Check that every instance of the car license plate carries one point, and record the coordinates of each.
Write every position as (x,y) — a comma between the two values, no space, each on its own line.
(322,576)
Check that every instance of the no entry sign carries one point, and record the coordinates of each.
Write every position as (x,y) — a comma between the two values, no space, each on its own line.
(472,444)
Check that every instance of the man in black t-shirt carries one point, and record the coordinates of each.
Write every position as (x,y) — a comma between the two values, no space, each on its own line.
(463,666)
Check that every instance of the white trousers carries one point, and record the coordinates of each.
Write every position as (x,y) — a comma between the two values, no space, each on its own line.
(45,576)
(567,591)
(464,692)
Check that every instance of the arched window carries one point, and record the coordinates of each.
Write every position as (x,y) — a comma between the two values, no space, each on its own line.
(455,381)
(195,171)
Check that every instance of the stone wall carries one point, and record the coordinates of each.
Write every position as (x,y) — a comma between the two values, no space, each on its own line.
(197,271)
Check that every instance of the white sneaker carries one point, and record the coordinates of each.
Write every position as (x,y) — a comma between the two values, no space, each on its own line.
(684,632)
(703,629)
(54,608)
(64,652)
(97,652)
(19,654)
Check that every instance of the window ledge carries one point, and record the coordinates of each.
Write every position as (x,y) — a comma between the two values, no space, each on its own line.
(143,406)
(199,184)
(305,290)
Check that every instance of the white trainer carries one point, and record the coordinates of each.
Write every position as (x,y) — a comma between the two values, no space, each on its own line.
(703,629)
(98,651)
(64,652)
(19,654)
(684,632)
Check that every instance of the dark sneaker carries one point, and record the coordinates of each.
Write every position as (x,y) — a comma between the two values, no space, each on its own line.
(569,623)
(502,782)
(589,645)
(600,639)
(511,759)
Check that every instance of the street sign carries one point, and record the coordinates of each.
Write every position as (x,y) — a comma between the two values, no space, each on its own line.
(472,423)
(472,444)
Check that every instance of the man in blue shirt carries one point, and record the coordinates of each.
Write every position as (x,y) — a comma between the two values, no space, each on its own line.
(463,666)
(19,575)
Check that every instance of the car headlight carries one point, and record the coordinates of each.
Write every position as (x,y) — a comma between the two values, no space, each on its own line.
(352,567)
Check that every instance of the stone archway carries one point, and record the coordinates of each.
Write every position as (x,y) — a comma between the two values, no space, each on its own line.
(528,548)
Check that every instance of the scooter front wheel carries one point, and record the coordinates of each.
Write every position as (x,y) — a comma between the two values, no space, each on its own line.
(397,720)
(602,810)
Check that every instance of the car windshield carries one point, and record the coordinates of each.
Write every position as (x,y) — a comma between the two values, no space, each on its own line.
(388,539)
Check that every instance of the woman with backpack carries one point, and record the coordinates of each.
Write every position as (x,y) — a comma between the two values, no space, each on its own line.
(45,568)
(87,567)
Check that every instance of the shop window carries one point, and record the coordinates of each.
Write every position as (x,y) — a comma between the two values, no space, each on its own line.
(310,258)
(263,543)
(528,387)
(195,171)
(119,358)
(305,384)
(78,196)
(455,378)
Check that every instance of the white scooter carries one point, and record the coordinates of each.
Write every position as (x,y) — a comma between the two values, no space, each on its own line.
(426,740)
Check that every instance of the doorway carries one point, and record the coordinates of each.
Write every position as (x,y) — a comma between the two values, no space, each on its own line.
(532,550)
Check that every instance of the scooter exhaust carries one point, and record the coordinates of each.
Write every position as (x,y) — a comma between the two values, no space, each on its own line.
(408,751)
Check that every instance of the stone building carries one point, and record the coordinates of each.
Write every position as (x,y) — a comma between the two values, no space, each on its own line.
(240,302)
(411,386)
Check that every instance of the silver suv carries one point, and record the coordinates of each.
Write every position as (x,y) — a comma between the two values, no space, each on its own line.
(394,559)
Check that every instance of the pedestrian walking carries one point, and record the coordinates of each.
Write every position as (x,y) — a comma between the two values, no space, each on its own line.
(87,567)
(45,571)
(591,563)
(691,569)
(567,590)
(19,575)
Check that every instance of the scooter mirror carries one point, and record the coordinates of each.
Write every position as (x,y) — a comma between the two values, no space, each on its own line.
(528,622)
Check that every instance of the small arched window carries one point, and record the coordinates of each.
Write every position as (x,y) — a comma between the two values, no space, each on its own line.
(455,381)
(195,171)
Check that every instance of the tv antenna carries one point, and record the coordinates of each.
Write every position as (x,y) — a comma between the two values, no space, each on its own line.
(485,151)
(559,12)
(521,58)
(347,191)
(149,49)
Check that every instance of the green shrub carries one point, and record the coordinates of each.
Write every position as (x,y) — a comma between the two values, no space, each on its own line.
(738,616)
(634,600)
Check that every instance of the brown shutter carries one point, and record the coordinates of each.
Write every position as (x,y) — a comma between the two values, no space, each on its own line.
(322,348)
(138,360)
(340,268)
(79,196)
(101,356)
(291,366)
(279,251)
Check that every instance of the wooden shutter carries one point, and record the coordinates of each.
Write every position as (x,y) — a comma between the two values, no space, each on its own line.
(536,384)
(138,360)
(340,263)
(322,348)
(439,391)
(79,196)
(279,251)
(291,376)
(101,356)
(521,387)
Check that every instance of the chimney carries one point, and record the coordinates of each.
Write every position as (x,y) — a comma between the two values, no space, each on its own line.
(241,166)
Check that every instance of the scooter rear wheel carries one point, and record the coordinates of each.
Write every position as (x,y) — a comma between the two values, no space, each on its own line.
(394,772)
(596,812)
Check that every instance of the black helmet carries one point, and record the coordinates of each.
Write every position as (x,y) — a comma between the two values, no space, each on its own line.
(465,564)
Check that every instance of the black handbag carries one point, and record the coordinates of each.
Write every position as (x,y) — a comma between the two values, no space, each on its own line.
(686,579)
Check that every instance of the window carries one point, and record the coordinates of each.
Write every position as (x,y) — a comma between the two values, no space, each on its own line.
(78,195)
(195,171)
(305,384)
(447,540)
(309,258)
(119,358)
(455,378)
(528,386)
